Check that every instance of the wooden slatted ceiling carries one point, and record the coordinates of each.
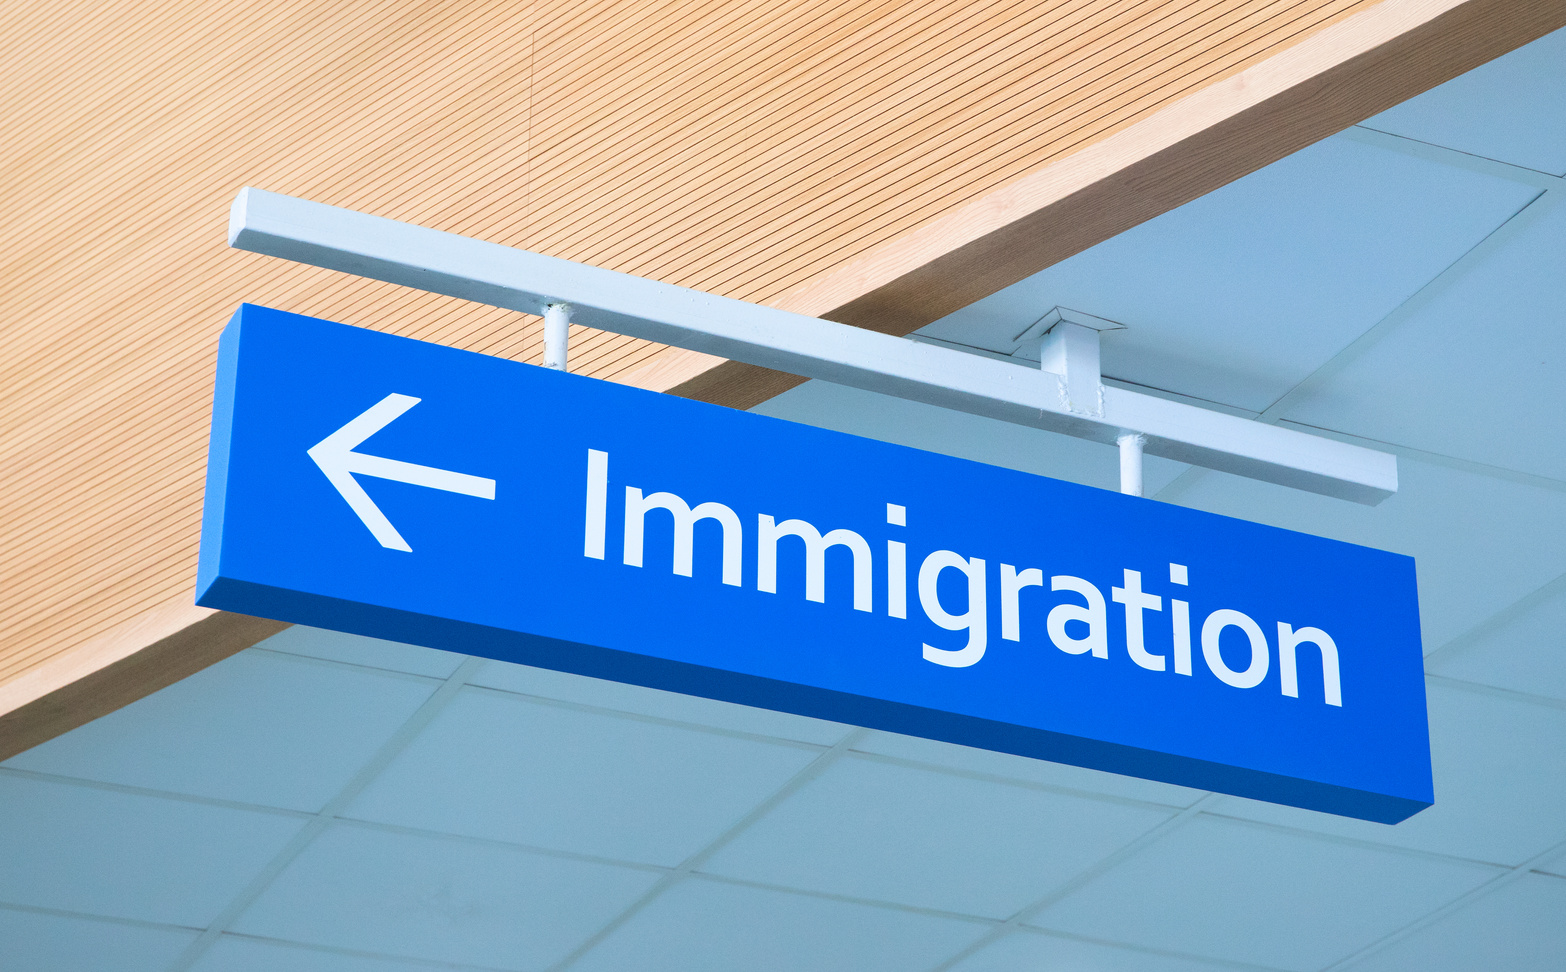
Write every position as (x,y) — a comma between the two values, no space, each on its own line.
(963,99)
(743,147)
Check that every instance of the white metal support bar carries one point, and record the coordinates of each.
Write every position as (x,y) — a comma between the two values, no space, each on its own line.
(1131,445)
(501,276)
(557,331)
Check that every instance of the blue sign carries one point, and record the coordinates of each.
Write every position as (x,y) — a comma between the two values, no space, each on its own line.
(388,487)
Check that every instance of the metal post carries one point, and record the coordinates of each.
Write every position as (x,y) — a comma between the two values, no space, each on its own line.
(557,320)
(1131,462)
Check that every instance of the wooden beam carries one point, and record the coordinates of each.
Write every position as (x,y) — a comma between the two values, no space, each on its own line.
(1336,78)
(150,651)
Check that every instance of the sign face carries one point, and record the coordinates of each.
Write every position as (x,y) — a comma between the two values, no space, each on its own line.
(403,490)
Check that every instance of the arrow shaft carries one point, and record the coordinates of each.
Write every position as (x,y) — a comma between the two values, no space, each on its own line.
(417,475)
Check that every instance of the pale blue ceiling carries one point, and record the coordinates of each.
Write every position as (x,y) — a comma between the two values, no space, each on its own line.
(1508,110)
(1238,296)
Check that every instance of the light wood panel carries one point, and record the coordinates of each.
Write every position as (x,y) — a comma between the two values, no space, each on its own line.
(869,161)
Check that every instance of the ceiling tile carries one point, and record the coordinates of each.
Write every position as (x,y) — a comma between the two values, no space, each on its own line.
(33,942)
(1508,109)
(80,848)
(1245,893)
(498,766)
(1027,950)
(1523,650)
(707,926)
(359,650)
(942,430)
(1237,296)
(967,759)
(652,702)
(1498,793)
(259,727)
(868,829)
(1519,927)
(236,953)
(440,899)
(1479,542)
(1474,373)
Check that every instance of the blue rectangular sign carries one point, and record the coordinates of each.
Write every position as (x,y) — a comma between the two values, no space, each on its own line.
(403,490)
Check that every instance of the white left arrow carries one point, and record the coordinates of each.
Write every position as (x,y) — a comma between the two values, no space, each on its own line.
(335,455)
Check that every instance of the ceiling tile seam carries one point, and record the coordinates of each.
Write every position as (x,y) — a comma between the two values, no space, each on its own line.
(1174,396)
(806,773)
(1145,950)
(1495,691)
(1455,158)
(1452,907)
(1472,467)
(407,960)
(90,916)
(497,843)
(1505,615)
(397,741)
(433,681)
(1103,866)
(629,716)
(1361,843)
(1526,216)
(89,783)
(819,895)
(1017,782)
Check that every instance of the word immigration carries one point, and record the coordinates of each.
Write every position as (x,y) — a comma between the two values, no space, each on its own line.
(1089,617)
(402,490)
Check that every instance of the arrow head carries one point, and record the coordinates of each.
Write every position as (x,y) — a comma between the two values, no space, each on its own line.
(337,460)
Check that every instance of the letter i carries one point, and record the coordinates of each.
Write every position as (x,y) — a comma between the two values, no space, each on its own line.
(1180,614)
(896,566)
(597,503)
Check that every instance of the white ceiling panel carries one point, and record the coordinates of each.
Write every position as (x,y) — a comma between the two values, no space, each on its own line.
(1498,794)
(965,759)
(1029,950)
(1247,893)
(34,942)
(1477,371)
(498,766)
(1239,295)
(440,899)
(706,926)
(1523,650)
(597,692)
(1520,927)
(85,849)
(249,728)
(370,652)
(1509,109)
(872,830)
(1479,543)
(951,433)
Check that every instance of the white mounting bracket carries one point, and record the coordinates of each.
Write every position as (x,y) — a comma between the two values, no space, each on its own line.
(1069,347)
(502,276)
